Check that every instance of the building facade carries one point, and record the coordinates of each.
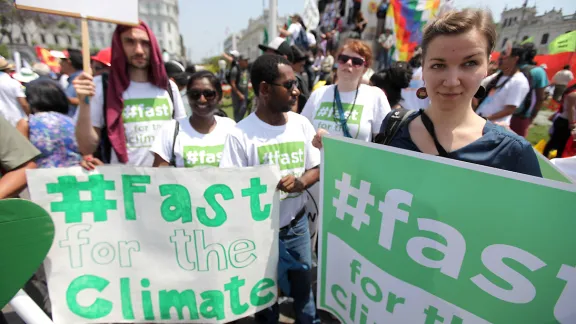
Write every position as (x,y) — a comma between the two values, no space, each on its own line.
(253,35)
(160,15)
(519,24)
(229,41)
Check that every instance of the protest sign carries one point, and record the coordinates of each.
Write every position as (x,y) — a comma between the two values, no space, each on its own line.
(551,171)
(160,244)
(412,238)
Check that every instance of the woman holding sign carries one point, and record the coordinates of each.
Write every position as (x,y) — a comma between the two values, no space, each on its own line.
(197,140)
(456,49)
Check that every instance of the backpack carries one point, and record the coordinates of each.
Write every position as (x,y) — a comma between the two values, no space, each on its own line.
(229,75)
(301,40)
(104,150)
(527,102)
(391,124)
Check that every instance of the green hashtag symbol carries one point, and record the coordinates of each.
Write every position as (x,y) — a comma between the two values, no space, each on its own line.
(71,204)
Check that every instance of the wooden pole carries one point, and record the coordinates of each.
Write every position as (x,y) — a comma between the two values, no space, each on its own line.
(85,46)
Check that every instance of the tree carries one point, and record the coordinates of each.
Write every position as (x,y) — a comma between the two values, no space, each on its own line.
(211,63)
(4,51)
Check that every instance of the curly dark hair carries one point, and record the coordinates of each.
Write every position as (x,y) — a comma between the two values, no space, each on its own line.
(265,69)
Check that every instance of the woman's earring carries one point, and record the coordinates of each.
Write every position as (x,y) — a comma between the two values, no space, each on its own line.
(481,93)
(421,93)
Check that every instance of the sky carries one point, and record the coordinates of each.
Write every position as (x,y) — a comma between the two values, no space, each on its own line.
(203,23)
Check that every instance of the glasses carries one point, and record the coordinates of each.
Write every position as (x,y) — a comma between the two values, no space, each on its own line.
(356,61)
(288,85)
(197,94)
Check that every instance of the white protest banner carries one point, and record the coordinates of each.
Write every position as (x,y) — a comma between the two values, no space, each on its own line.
(160,244)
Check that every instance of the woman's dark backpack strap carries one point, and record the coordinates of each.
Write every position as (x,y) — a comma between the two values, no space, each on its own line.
(430,128)
(173,157)
(391,124)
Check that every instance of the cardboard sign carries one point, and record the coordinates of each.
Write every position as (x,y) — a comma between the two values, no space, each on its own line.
(160,244)
(119,12)
(412,238)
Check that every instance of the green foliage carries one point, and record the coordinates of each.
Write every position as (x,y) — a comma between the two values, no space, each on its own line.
(211,63)
(4,51)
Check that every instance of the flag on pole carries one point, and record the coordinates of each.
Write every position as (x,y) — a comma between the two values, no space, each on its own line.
(406,19)
(563,43)
(527,40)
(265,39)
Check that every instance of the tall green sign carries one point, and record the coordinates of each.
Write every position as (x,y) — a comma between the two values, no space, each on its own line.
(413,238)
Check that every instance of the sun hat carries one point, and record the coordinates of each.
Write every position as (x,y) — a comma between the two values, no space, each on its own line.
(25,75)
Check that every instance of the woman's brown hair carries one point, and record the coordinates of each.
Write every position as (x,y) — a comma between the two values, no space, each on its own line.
(359,47)
(459,22)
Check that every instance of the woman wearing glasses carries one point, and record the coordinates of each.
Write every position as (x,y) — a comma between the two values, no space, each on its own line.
(350,108)
(197,140)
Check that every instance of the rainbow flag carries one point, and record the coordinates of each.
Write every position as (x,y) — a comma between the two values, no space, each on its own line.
(406,19)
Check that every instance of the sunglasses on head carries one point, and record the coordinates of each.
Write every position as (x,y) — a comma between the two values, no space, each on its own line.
(356,61)
(288,85)
(197,94)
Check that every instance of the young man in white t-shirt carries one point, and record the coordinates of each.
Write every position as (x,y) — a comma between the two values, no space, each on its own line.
(137,103)
(275,135)
(506,90)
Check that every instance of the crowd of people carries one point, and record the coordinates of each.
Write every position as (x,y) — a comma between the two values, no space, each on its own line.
(135,109)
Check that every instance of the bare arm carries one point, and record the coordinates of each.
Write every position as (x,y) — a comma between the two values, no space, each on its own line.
(23,127)
(13,182)
(540,96)
(24,104)
(310,177)
(159,162)
(227,57)
(507,111)
(87,136)
(73,101)
(283,32)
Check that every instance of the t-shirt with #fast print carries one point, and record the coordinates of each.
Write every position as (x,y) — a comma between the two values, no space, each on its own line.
(146,109)
(253,142)
(192,148)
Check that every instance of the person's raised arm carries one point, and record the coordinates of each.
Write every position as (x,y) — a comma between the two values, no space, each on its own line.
(16,155)
(87,136)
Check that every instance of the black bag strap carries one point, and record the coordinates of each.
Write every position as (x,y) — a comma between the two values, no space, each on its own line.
(527,102)
(169,89)
(104,153)
(430,128)
(173,157)
(493,84)
(392,123)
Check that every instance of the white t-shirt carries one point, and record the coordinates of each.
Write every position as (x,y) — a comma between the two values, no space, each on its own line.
(512,93)
(563,77)
(10,91)
(311,39)
(192,149)
(363,118)
(294,31)
(409,98)
(253,142)
(146,109)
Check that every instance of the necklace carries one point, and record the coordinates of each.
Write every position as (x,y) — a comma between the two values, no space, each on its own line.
(334,104)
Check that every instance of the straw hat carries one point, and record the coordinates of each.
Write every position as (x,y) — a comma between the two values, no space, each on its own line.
(5,65)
